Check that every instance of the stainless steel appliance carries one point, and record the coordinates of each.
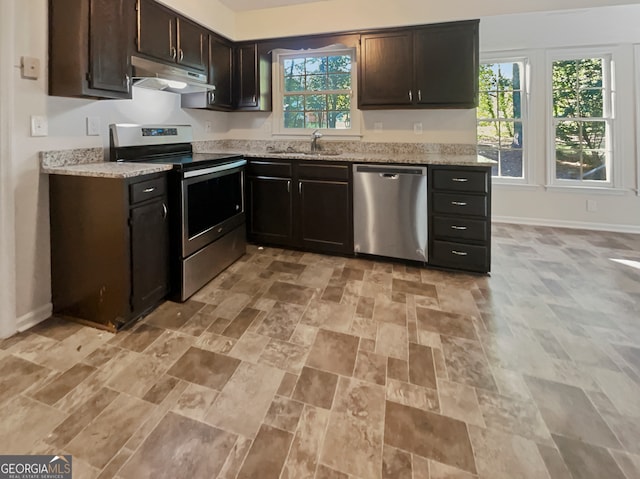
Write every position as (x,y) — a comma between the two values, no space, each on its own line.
(206,194)
(390,211)
(172,78)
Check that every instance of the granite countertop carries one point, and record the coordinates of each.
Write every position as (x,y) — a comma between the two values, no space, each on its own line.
(107,169)
(91,161)
(355,157)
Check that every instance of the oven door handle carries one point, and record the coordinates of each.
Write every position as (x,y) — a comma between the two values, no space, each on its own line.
(214,169)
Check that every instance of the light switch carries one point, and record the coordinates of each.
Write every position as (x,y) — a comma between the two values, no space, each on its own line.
(377,126)
(39,126)
(417,128)
(93,126)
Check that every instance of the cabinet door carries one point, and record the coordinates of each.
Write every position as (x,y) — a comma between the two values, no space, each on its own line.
(149,254)
(270,210)
(156,31)
(221,71)
(247,81)
(110,39)
(192,45)
(446,65)
(325,218)
(386,70)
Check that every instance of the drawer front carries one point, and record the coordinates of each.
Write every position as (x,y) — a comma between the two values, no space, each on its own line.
(459,255)
(277,169)
(322,171)
(461,180)
(460,229)
(145,190)
(459,204)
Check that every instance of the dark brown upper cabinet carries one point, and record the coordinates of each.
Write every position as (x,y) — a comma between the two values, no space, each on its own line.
(433,66)
(221,72)
(90,48)
(252,83)
(165,35)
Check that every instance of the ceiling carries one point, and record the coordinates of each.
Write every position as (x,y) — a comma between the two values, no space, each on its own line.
(242,5)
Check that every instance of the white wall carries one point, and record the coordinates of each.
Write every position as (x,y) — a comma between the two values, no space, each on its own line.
(345,15)
(535,35)
(210,13)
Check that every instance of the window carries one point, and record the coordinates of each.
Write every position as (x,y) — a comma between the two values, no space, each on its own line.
(501,119)
(581,120)
(317,91)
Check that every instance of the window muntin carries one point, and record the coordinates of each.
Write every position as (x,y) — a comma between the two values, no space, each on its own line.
(500,116)
(581,109)
(317,90)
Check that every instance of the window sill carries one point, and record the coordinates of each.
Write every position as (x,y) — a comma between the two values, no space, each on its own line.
(509,185)
(593,190)
(307,134)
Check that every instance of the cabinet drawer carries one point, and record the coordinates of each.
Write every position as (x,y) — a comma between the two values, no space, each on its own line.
(459,255)
(279,169)
(461,180)
(145,190)
(323,171)
(455,203)
(460,229)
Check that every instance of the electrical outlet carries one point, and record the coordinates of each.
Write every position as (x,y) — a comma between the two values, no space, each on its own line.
(417,128)
(377,126)
(93,126)
(592,205)
(39,125)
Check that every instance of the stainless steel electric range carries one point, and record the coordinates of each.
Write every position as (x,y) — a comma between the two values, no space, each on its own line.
(206,198)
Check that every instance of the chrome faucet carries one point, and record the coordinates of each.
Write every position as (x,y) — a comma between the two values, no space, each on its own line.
(314,140)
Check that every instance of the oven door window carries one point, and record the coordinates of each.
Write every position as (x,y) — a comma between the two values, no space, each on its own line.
(211,201)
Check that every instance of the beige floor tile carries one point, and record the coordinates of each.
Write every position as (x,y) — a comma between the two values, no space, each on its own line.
(316,387)
(396,464)
(429,435)
(334,352)
(460,402)
(244,400)
(206,368)
(283,355)
(412,395)
(267,454)
(587,461)
(164,453)
(305,450)
(284,414)
(392,340)
(195,401)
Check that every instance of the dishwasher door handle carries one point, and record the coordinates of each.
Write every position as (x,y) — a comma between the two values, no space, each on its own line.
(389,176)
(384,171)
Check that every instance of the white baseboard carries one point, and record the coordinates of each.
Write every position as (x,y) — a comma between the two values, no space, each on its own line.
(32,318)
(567,224)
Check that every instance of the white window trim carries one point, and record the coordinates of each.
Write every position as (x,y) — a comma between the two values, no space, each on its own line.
(528,153)
(615,177)
(278,93)
(636,55)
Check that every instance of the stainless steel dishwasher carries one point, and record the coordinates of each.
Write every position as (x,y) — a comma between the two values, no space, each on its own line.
(390,211)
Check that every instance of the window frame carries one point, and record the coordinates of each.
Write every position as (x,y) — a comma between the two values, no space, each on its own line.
(524,57)
(279,56)
(608,54)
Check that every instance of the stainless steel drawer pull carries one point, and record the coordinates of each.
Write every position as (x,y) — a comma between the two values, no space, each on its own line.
(460,180)
(149,190)
(459,228)
(459,253)
(164,211)
(459,203)
(288,186)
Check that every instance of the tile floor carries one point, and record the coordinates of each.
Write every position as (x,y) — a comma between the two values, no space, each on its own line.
(295,365)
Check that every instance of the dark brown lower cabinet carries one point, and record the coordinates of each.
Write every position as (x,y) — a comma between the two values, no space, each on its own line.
(270,210)
(302,204)
(109,247)
(460,217)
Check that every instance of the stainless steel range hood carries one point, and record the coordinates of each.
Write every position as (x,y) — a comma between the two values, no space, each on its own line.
(158,76)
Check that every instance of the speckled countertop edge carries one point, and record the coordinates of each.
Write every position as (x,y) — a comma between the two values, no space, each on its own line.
(107,169)
(57,158)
